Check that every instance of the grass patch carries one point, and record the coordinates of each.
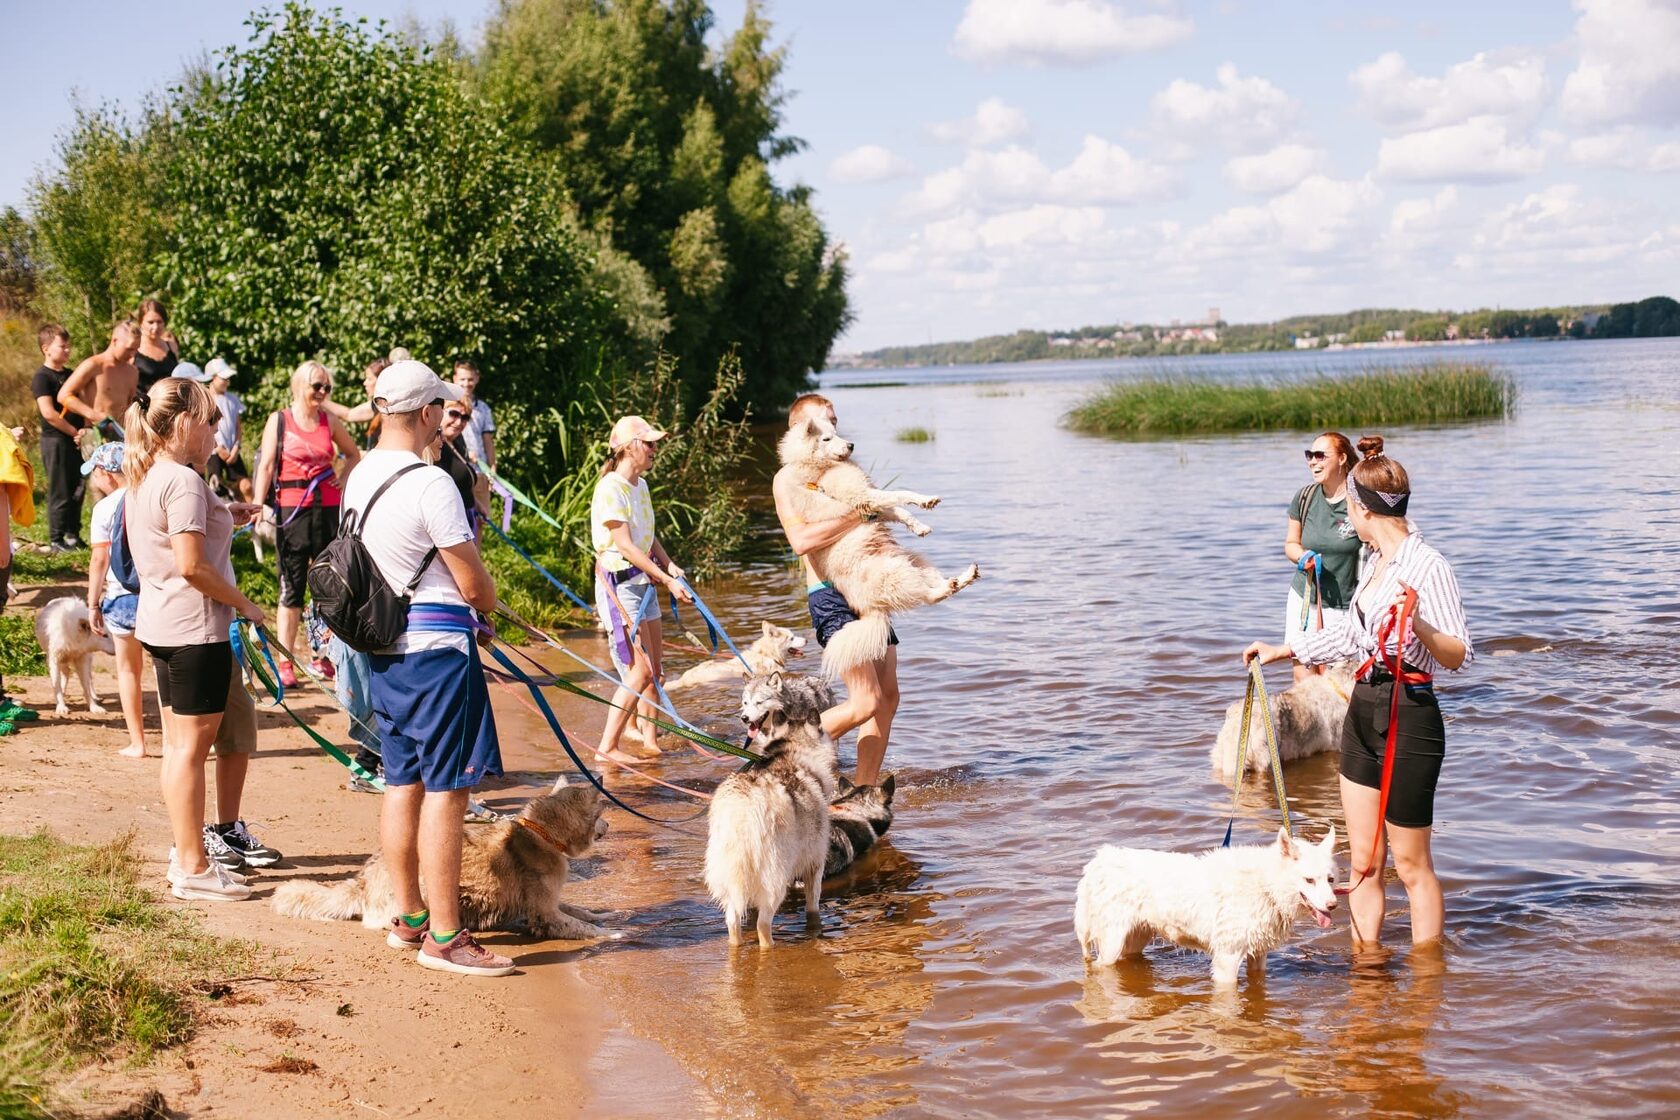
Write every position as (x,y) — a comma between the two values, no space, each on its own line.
(1423,394)
(92,966)
(914,435)
(20,654)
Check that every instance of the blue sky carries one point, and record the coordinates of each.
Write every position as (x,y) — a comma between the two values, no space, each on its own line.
(997,164)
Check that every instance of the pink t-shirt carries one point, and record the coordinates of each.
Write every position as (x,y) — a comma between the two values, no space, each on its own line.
(173,499)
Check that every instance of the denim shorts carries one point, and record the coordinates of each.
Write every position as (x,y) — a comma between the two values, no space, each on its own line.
(830,611)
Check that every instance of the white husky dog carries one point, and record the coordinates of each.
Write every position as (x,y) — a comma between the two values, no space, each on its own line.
(767,655)
(769,823)
(1307,717)
(63,629)
(1233,903)
(876,575)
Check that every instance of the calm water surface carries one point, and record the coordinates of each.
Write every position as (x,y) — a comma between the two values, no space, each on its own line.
(1070,699)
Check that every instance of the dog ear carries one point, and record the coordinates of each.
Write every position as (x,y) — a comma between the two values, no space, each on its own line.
(84,625)
(775,681)
(1285,843)
(768,629)
(1329,841)
(812,428)
(888,784)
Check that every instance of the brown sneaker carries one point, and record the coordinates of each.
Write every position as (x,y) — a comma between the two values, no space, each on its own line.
(402,936)
(464,955)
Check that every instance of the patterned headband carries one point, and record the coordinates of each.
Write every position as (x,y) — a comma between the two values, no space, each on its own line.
(1389,505)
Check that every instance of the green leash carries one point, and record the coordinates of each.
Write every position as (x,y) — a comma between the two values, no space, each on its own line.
(1257,688)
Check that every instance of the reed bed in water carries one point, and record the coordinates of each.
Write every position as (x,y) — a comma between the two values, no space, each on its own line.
(1433,393)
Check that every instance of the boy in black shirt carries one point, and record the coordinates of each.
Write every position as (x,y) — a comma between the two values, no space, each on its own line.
(61,454)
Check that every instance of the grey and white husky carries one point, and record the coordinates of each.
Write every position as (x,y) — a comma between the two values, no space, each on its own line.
(860,816)
(768,824)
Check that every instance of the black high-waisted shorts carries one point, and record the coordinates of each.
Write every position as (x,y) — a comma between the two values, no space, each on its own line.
(1419,748)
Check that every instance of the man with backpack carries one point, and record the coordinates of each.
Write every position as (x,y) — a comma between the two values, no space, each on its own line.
(402,580)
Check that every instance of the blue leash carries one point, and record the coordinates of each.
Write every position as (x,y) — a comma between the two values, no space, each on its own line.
(542,571)
(713,627)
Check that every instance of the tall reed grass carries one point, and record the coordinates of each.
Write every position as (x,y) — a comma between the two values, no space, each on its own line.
(1432,393)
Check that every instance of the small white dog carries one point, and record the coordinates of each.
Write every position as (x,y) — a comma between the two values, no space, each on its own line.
(1232,903)
(876,575)
(264,530)
(1307,717)
(67,638)
(767,655)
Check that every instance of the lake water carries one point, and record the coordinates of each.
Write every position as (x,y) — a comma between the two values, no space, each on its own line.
(1069,700)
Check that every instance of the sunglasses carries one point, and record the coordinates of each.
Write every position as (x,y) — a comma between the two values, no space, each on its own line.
(1316,456)
(453,415)
(320,387)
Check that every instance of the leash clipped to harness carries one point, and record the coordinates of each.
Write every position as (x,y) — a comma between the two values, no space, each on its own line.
(257,668)
(1398,625)
(1256,690)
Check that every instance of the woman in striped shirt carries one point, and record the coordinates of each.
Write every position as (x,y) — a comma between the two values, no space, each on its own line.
(1436,638)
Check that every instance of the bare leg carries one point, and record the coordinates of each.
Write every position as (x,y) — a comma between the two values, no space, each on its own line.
(1412,862)
(289,619)
(1366,903)
(625,699)
(230,785)
(399,833)
(440,854)
(870,704)
(182,780)
(128,691)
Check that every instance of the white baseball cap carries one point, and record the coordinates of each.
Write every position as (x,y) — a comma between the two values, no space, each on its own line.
(218,367)
(410,386)
(191,372)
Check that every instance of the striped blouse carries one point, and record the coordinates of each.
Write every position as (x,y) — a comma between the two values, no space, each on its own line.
(1354,634)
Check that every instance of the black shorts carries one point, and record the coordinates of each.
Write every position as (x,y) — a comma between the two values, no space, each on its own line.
(830,611)
(228,471)
(1418,749)
(193,680)
(297,545)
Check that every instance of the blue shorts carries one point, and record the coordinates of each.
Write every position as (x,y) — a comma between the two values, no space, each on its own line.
(432,710)
(830,611)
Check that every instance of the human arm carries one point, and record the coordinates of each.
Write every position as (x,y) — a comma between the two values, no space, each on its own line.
(620,532)
(1292,546)
(808,536)
(1450,651)
(50,416)
(352,414)
(472,578)
(206,577)
(1438,621)
(99,562)
(346,447)
(265,459)
(70,395)
(488,439)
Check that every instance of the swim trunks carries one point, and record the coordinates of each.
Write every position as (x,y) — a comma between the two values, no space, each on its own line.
(830,611)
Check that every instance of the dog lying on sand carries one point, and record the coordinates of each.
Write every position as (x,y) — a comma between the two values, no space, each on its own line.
(1232,903)
(875,574)
(860,816)
(767,655)
(768,824)
(65,633)
(511,875)
(1307,717)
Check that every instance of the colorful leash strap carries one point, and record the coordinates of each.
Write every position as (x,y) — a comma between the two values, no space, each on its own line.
(540,570)
(714,628)
(519,496)
(257,668)
(1312,562)
(308,494)
(1256,691)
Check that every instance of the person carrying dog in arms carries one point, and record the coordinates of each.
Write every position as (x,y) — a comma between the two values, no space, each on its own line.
(872,689)
(431,704)
(1435,637)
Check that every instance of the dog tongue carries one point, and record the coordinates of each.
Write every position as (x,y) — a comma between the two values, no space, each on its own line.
(1322,919)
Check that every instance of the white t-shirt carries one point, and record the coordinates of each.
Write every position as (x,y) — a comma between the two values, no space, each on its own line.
(227,429)
(100,523)
(422,510)
(477,425)
(617,500)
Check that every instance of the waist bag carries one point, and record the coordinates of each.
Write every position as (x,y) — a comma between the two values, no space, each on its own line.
(350,595)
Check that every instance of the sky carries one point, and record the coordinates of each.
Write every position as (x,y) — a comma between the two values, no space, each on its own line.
(992,165)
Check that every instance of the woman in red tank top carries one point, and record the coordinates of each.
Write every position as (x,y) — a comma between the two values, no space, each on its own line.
(296,474)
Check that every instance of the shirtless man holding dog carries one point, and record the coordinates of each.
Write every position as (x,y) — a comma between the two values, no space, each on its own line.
(104,385)
(872,689)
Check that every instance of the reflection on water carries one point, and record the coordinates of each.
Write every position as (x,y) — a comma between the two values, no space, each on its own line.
(1070,699)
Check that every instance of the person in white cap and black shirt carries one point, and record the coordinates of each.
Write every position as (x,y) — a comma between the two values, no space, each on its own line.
(430,700)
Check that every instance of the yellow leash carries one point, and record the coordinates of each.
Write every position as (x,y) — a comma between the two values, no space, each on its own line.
(1257,689)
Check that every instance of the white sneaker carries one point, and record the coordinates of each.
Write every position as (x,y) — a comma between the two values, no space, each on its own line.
(213,884)
(175,874)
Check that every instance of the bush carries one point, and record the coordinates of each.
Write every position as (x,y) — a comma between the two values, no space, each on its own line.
(914,435)
(1425,394)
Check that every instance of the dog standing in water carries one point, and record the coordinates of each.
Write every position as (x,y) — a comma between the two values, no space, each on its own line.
(860,816)
(1232,903)
(1307,717)
(767,655)
(875,574)
(66,636)
(768,824)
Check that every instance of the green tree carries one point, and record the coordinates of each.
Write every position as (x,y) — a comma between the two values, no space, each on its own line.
(1432,329)
(1366,332)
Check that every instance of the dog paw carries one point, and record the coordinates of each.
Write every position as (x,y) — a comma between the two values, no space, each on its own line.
(61,710)
(929,503)
(919,528)
(98,709)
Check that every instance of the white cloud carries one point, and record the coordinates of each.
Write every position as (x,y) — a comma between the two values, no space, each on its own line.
(1049,32)
(1421,218)
(992,123)
(870,163)
(1041,226)
(1481,149)
(1318,216)
(1243,114)
(1273,171)
(1509,85)
(1102,174)
(1625,149)
(1630,63)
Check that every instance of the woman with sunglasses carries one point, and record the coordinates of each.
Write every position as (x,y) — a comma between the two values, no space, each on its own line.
(1434,637)
(1321,542)
(296,474)
(454,456)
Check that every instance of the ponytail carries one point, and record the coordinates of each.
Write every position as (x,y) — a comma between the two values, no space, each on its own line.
(611,463)
(152,422)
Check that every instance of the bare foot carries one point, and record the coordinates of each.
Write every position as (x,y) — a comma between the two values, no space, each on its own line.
(133,750)
(643,749)
(615,756)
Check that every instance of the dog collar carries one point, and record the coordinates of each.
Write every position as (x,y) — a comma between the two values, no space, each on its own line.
(541,833)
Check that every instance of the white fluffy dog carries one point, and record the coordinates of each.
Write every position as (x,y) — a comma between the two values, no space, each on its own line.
(63,629)
(875,574)
(767,655)
(1307,717)
(1232,903)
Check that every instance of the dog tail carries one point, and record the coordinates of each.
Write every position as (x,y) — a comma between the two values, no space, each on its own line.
(321,902)
(857,643)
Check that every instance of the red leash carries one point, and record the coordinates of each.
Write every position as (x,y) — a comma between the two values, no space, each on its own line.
(1397,624)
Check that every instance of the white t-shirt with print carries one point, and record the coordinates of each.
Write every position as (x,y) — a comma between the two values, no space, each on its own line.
(420,511)
(227,428)
(100,523)
(473,431)
(617,500)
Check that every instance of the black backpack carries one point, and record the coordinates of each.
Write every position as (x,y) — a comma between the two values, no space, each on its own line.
(350,595)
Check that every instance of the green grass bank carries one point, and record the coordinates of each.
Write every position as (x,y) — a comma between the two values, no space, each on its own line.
(1435,393)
